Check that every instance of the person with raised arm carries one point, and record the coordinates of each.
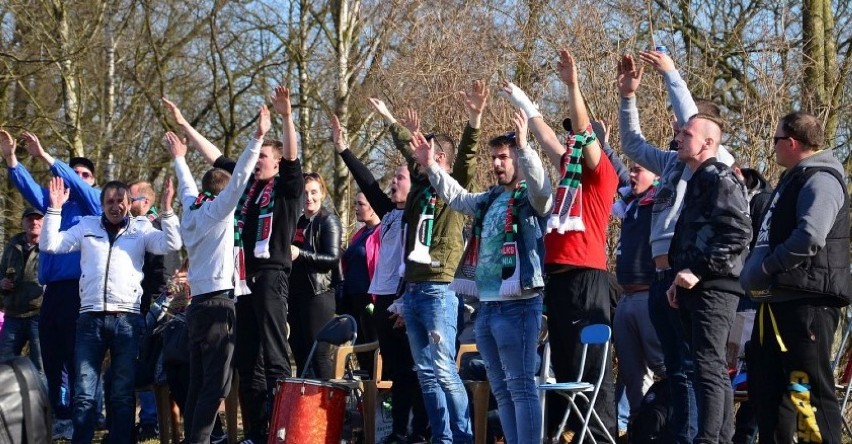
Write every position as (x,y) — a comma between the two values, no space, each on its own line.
(60,273)
(579,288)
(266,217)
(674,177)
(112,247)
(433,246)
(207,227)
(393,341)
(502,267)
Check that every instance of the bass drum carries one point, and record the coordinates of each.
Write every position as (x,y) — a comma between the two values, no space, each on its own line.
(308,412)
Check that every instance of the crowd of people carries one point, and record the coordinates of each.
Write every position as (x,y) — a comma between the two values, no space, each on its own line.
(703,240)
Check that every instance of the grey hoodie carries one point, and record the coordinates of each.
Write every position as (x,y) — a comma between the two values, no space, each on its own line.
(820,200)
(672,172)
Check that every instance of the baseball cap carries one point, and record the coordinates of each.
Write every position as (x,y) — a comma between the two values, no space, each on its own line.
(83,162)
(32,211)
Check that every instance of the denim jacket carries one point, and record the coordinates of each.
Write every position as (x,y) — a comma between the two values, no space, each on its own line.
(533,209)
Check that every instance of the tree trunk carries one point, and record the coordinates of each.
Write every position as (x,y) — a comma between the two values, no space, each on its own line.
(69,79)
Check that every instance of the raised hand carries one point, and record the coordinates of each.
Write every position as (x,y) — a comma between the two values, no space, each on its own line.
(58,192)
(521,128)
(660,61)
(410,120)
(629,76)
(475,99)
(176,146)
(33,146)
(519,99)
(382,109)
(567,68)
(424,151)
(264,122)
(281,101)
(338,135)
(168,195)
(7,146)
(175,112)
(601,130)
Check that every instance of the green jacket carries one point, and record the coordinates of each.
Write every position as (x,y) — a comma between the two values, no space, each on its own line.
(447,242)
(25,299)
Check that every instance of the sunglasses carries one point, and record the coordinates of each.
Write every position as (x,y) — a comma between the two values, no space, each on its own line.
(138,198)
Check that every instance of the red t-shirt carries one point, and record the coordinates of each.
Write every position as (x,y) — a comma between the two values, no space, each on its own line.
(587,248)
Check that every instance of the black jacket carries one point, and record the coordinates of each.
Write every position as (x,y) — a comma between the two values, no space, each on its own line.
(320,252)
(714,228)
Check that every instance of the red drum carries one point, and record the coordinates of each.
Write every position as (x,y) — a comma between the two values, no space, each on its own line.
(307,412)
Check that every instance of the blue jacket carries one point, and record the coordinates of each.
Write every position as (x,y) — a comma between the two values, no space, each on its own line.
(84,200)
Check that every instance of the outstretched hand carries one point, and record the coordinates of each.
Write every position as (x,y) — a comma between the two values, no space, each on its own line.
(567,68)
(33,145)
(629,76)
(338,134)
(176,146)
(410,120)
(475,99)
(175,112)
(659,60)
(382,109)
(424,151)
(58,192)
(519,99)
(7,145)
(281,101)
(521,128)
(264,122)
(168,195)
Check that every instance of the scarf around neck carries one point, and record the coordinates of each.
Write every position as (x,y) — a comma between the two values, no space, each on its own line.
(567,214)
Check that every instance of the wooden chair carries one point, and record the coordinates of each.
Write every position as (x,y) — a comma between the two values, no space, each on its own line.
(369,387)
(480,393)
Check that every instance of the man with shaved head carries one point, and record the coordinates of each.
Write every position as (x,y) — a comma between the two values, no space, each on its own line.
(707,253)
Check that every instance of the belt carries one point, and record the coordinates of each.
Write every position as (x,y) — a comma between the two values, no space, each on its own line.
(661,275)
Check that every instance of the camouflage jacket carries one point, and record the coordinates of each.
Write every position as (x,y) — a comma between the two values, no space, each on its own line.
(714,228)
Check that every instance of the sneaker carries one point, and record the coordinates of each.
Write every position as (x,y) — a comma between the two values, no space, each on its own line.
(145,432)
(63,429)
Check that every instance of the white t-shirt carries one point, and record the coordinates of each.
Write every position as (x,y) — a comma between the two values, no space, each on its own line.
(386,277)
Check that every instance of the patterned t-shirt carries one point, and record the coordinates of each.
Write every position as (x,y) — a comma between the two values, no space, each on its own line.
(489,272)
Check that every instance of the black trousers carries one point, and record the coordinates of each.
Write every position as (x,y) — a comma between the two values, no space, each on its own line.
(262,354)
(356,306)
(398,366)
(793,392)
(211,318)
(575,299)
(177,376)
(308,314)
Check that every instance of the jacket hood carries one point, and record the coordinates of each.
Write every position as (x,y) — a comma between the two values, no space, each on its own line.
(823,159)
(755,181)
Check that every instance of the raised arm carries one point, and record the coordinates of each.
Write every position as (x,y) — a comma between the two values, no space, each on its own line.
(458,198)
(207,149)
(368,184)
(632,141)
(542,132)
(166,240)
(7,149)
(281,103)
(187,190)
(400,134)
(539,189)
(577,108)
(52,240)
(683,105)
(464,168)
(20,177)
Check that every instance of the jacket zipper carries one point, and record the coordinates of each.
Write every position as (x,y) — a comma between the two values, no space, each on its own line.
(109,256)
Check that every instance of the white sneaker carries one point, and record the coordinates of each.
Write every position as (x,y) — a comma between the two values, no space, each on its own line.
(63,429)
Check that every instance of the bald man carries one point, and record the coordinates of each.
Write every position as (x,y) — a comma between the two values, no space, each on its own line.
(707,253)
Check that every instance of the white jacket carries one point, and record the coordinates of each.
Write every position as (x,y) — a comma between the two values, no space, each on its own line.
(208,231)
(111,278)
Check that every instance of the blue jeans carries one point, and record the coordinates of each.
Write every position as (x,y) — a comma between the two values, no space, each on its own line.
(683,424)
(121,334)
(430,320)
(15,333)
(507,338)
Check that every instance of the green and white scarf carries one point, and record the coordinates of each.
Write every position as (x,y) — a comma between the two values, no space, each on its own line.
(567,214)
(423,237)
(464,281)
(266,201)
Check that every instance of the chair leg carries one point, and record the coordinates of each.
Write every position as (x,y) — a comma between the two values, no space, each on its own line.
(481,393)
(232,403)
(164,408)
(368,403)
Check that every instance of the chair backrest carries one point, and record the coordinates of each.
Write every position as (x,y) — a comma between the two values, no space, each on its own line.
(595,334)
(338,331)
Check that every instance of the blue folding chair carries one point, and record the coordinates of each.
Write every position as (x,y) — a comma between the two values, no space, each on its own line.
(598,335)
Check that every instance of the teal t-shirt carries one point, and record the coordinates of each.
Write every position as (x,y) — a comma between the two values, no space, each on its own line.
(489,271)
